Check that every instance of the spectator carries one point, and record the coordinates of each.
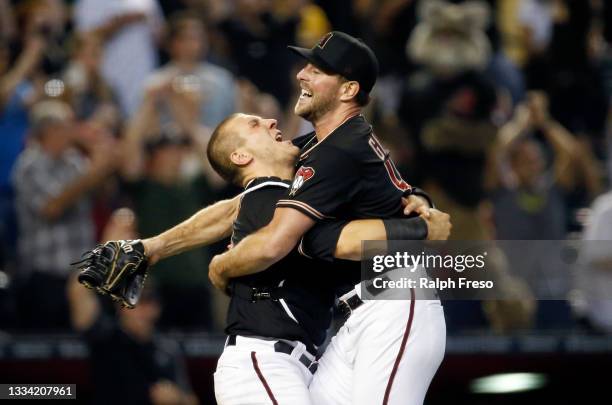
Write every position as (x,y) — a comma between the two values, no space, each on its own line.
(447,108)
(7,22)
(48,19)
(52,181)
(188,72)
(129,363)
(162,195)
(91,97)
(529,192)
(16,94)
(129,30)
(258,37)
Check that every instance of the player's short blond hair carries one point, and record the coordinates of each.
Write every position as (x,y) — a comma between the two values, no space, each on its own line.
(223,142)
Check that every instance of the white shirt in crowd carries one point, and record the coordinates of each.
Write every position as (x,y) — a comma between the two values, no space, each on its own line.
(131,54)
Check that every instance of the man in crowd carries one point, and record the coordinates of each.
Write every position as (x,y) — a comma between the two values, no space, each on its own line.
(52,181)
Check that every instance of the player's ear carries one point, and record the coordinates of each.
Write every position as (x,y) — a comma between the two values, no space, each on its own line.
(241,157)
(349,90)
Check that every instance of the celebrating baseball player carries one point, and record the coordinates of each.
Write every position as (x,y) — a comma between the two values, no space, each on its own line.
(387,351)
(276,318)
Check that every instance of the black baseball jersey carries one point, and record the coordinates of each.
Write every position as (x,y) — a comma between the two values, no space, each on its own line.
(348,175)
(302,312)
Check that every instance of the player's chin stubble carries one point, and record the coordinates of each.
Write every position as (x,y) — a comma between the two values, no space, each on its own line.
(315,109)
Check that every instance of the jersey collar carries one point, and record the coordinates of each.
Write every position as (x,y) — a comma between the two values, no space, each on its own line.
(261,180)
(305,154)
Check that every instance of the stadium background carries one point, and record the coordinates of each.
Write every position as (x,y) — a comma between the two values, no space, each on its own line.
(500,110)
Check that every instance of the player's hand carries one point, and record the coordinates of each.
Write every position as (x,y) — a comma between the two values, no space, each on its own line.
(438,225)
(216,276)
(416,204)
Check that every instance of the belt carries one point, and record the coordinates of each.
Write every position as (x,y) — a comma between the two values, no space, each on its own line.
(349,302)
(284,347)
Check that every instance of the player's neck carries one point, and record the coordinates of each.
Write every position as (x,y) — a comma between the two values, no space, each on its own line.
(283,172)
(333,119)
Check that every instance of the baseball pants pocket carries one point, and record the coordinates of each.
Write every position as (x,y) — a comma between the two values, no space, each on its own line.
(246,377)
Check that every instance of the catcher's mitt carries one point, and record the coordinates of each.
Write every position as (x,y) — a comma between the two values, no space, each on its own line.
(117,268)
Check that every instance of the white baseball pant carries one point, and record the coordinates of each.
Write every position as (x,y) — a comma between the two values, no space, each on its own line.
(251,372)
(386,353)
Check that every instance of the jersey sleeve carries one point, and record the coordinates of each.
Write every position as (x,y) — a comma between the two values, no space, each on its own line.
(328,180)
(321,240)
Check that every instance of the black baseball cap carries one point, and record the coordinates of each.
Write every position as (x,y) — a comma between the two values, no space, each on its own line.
(340,53)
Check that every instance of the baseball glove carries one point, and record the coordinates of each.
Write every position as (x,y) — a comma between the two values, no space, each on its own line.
(117,268)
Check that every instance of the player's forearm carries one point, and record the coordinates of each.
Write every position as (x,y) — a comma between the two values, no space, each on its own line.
(350,246)
(253,254)
(207,226)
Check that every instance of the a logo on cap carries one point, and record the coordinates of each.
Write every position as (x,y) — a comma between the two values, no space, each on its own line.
(325,39)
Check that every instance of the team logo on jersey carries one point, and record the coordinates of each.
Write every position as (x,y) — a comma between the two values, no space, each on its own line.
(301,176)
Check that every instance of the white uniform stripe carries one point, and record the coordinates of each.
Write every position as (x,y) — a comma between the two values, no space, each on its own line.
(287,310)
(262,185)
(301,249)
(303,206)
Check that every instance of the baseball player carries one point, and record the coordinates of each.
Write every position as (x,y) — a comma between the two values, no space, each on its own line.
(388,351)
(276,318)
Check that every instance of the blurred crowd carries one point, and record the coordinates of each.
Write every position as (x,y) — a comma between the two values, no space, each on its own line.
(499,109)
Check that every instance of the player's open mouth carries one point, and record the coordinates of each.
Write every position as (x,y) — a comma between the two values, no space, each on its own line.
(305,94)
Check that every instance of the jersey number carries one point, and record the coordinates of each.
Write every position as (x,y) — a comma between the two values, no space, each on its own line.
(392,171)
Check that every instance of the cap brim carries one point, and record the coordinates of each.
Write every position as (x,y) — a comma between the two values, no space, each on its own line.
(312,57)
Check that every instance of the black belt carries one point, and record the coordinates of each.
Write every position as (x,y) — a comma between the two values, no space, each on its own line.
(284,347)
(255,294)
(348,305)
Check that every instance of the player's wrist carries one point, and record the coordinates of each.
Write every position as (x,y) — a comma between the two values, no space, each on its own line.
(152,249)
(406,228)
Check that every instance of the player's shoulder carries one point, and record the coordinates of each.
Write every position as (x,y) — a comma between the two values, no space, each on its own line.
(351,136)
(353,128)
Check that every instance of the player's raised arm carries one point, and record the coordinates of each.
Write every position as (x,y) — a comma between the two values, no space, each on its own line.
(207,226)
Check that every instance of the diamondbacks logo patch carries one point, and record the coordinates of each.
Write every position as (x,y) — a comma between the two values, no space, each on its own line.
(301,176)
(323,41)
